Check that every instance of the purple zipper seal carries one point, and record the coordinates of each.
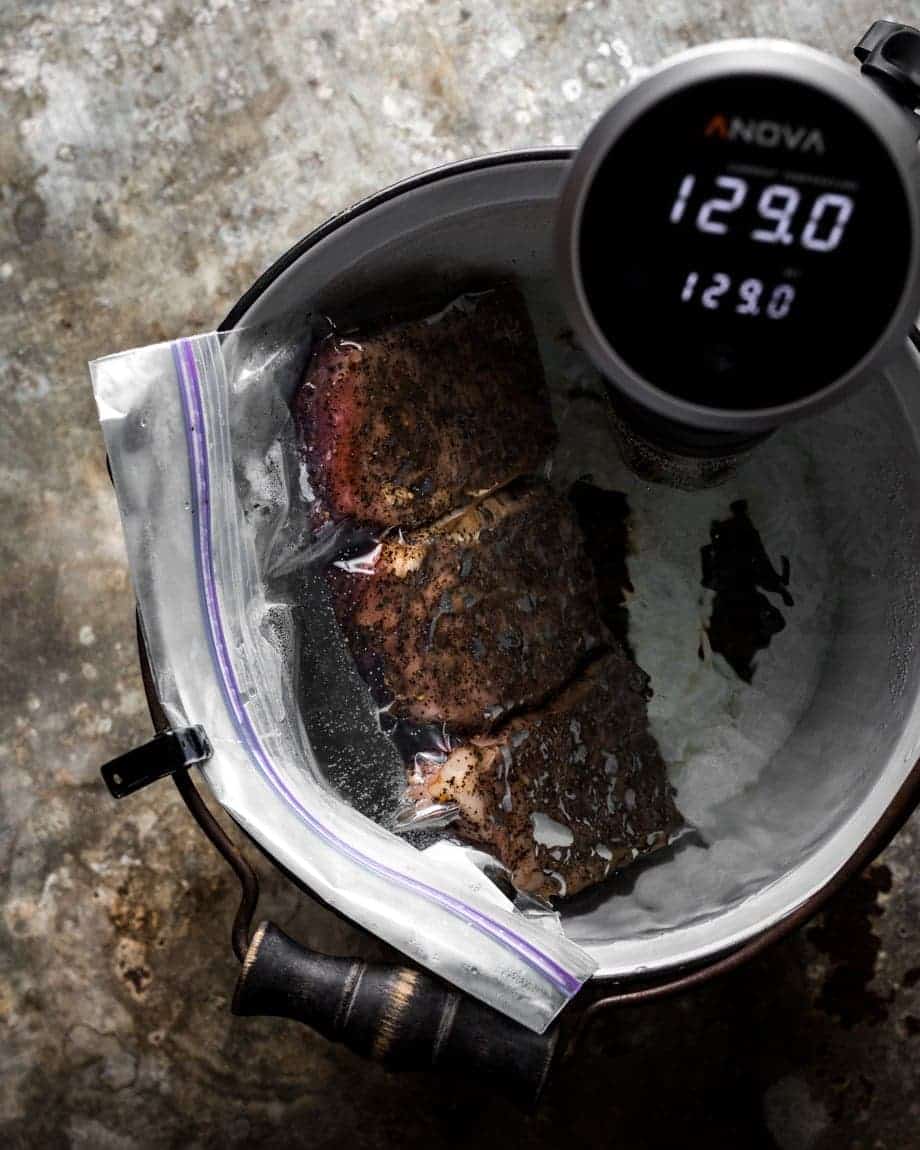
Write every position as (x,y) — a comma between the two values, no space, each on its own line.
(195,432)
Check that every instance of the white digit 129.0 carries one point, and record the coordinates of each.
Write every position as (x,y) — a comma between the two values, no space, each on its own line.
(780,301)
(749,293)
(778,203)
(680,201)
(737,190)
(689,286)
(719,286)
(830,201)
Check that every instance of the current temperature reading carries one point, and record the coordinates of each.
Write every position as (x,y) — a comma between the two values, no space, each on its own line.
(737,233)
(778,208)
(778,214)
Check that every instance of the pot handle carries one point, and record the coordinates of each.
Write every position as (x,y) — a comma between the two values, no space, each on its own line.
(402,1017)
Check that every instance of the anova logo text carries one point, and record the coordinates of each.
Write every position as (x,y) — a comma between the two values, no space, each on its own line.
(766,134)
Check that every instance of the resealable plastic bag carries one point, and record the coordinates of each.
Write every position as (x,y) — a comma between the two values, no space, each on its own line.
(242,640)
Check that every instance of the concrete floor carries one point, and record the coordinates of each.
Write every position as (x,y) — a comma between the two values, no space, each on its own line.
(154,157)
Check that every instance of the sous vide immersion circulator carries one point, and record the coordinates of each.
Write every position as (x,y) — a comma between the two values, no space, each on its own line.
(738,239)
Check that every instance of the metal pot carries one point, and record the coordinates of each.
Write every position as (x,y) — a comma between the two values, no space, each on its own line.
(833,793)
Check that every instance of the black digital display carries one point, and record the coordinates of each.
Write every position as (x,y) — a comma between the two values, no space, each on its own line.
(745,242)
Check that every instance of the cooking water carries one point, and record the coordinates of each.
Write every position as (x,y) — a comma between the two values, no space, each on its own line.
(716,731)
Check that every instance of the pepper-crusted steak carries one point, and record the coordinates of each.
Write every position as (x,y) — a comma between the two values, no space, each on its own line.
(490,609)
(402,427)
(566,794)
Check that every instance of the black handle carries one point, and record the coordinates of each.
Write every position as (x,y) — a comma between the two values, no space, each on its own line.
(402,1017)
(169,752)
(889,54)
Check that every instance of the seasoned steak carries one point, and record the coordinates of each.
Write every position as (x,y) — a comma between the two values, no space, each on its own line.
(491,609)
(566,794)
(399,428)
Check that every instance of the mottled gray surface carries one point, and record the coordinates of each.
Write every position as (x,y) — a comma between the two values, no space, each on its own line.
(154,157)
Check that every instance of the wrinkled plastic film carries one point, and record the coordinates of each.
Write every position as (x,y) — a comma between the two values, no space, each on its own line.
(194,431)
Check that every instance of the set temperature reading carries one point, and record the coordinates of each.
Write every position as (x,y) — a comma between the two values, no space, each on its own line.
(783,218)
(750,297)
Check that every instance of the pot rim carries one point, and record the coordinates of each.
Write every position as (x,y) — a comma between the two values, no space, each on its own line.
(374,200)
(892,818)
